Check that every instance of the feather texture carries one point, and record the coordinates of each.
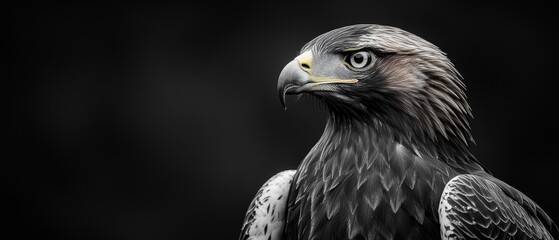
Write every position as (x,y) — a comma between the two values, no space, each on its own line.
(396,195)
(475,207)
(265,217)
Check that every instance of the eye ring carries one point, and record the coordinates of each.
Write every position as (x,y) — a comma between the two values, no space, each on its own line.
(359,60)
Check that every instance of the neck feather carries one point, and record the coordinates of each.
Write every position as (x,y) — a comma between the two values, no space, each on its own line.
(374,134)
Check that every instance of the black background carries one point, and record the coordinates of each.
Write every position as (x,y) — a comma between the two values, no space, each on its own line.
(161,121)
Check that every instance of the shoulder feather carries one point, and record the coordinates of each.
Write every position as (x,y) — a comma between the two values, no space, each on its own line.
(265,216)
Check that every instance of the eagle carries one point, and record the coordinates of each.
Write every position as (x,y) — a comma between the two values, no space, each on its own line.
(394,160)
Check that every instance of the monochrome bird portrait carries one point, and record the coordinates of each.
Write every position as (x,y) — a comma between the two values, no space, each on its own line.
(394,160)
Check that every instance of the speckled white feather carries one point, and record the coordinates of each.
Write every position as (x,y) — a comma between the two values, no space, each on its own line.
(447,227)
(266,218)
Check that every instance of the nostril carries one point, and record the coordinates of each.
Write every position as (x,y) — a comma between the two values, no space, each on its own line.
(305,66)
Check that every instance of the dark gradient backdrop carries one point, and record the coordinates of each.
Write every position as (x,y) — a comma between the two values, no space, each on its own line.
(161,121)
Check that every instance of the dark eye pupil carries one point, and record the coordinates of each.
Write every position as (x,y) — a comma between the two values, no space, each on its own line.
(358,58)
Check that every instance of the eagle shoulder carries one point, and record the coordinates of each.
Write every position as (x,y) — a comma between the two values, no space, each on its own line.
(265,216)
(476,207)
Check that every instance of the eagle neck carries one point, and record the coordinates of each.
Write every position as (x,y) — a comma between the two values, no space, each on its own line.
(344,137)
(342,132)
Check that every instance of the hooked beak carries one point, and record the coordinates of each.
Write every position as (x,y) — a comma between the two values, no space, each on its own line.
(296,77)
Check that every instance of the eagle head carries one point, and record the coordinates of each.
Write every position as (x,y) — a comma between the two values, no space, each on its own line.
(386,77)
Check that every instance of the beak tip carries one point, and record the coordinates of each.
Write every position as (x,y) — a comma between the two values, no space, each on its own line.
(282,99)
(291,77)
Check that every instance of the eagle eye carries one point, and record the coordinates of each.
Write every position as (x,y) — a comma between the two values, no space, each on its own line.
(359,60)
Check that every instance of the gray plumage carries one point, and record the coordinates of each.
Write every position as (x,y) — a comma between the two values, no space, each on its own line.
(394,160)
(476,207)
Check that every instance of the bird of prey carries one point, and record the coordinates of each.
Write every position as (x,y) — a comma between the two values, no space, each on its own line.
(394,161)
